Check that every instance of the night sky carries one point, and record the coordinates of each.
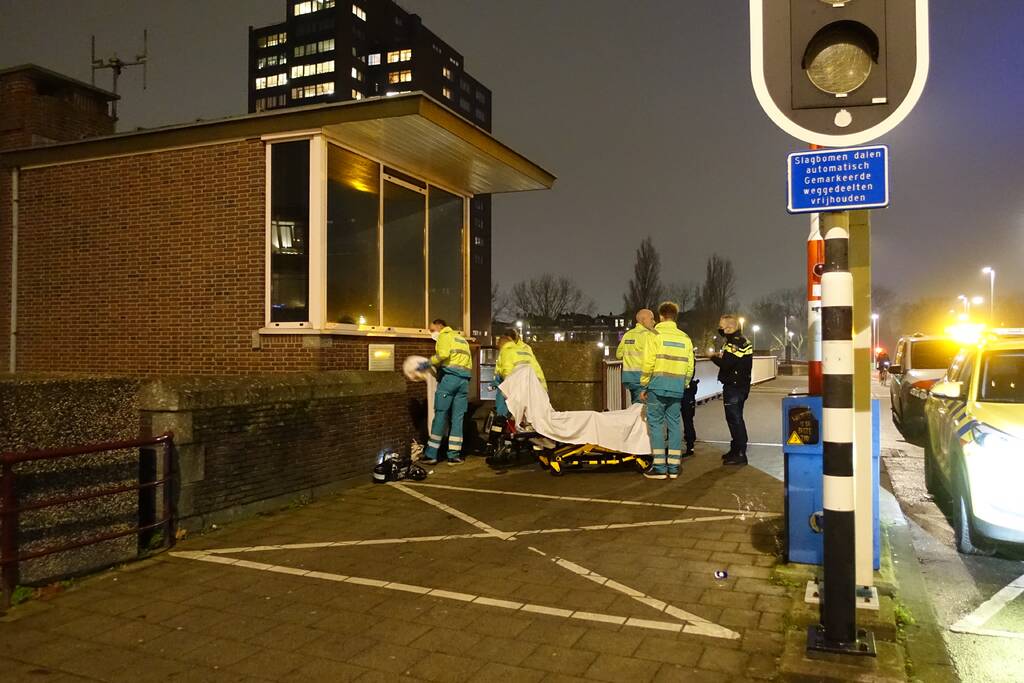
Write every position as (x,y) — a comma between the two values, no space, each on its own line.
(645,112)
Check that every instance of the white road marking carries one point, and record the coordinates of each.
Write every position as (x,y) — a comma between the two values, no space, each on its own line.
(453,537)
(686,622)
(444,594)
(692,623)
(455,513)
(975,621)
(574,499)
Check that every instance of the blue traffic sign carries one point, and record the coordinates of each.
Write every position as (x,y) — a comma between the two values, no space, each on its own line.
(839,179)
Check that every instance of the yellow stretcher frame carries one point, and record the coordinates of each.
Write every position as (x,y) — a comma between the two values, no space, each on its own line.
(574,456)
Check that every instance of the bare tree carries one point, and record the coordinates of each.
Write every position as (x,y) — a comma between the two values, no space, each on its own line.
(683,293)
(548,297)
(779,313)
(645,289)
(500,303)
(716,297)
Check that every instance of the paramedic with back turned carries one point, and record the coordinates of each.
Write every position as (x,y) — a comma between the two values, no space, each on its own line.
(453,362)
(734,362)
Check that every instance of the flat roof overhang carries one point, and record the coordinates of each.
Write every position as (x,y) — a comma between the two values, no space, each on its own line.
(412,132)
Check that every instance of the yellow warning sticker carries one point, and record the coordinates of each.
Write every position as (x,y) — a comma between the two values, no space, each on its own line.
(795,440)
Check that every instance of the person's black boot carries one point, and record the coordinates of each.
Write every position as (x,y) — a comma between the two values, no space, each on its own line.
(735,459)
(689,450)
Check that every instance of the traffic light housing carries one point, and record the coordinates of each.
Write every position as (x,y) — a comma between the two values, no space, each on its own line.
(838,72)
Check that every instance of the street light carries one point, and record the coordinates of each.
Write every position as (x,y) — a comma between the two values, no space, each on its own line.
(755,328)
(742,321)
(977,300)
(966,302)
(991,272)
(875,341)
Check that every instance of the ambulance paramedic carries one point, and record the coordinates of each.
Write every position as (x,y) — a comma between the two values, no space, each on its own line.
(453,362)
(631,352)
(667,370)
(513,353)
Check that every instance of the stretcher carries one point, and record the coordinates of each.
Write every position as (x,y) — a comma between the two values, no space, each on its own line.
(572,440)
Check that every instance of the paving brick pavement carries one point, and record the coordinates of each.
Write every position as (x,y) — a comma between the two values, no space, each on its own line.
(469,576)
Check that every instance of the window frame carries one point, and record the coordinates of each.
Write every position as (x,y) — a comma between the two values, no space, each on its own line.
(317,295)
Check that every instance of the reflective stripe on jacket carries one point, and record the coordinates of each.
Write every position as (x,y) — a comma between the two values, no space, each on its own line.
(514,354)
(631,352)
(668,360)
(452,354)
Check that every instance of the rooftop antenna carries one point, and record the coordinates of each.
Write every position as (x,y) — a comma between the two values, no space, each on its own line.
(117,65)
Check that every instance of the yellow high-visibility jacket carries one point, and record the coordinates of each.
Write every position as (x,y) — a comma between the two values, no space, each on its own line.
(631,352)
(452,354)
(668,360)
(514,354)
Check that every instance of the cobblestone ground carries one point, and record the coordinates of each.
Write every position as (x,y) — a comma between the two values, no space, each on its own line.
(597,575)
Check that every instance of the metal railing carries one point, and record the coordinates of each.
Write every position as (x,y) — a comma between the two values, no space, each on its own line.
(614,396)
(10,555)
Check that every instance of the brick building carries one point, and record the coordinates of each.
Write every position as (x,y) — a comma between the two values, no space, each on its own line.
(281,241)
(39,106)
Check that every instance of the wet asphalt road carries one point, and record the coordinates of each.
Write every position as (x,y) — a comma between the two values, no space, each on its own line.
(959,586)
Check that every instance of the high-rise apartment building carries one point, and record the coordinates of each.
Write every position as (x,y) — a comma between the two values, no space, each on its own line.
(331,50)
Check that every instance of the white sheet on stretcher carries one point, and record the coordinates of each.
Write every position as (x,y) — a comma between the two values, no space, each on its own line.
(624,431)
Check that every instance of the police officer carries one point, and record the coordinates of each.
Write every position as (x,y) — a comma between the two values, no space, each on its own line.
(667,370)
(453,362)
(631,352)
(734,365)
(513,353)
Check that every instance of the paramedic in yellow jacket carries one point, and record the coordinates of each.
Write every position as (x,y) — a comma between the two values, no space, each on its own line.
(453,362)
(631,352)
(513,352)
(667,369)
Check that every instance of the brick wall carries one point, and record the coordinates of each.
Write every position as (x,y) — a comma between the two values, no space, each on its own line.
(250,443)
(5,268)
(36,109)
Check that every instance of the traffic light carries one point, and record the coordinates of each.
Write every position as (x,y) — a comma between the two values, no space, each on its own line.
(837,73)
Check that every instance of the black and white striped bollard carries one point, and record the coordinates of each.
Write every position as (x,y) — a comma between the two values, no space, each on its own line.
(838,629)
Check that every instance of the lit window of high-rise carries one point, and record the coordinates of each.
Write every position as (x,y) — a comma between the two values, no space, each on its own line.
(447,92)
(312,6)
(356,95)
(399,56)
(357,74)
(359,12)
(374,59)
(447,73)
(400,76)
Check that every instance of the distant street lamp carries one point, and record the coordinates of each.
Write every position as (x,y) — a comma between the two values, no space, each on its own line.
(742,322)
(966,302)
(789,347)
(875,341)
(991,272)
(755,329)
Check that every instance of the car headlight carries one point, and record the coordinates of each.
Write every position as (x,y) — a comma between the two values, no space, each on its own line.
(993,441)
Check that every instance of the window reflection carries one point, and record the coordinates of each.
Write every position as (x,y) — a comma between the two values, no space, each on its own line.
(353,199)
(404,268)
(446,257)
(289,232)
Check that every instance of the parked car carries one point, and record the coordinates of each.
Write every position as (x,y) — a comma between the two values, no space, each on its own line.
(920,362)
(975,446)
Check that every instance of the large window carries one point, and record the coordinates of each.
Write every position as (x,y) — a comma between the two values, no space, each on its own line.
(445,254)
(404,269)
(360,246)
(289,232)
(353,200)
(1002,377)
